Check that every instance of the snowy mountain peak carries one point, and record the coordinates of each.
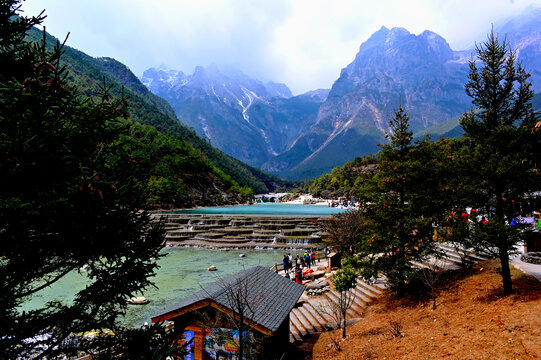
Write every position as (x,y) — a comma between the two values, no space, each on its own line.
(229,84)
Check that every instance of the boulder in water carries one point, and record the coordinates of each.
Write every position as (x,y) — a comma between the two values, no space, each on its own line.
(242,255)
(139,300)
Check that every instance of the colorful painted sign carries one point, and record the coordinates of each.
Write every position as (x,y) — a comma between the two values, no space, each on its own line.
(189,339)
(222,344)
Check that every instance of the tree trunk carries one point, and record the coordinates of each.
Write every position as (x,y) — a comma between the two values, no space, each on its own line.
(505,272)
(241,346)
(401,289)
(344,325)
(241,340)
(433,299)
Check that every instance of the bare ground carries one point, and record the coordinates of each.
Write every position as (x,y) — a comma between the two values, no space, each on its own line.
(472,321)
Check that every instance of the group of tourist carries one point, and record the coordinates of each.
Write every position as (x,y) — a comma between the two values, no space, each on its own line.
(301,262)
(343,202)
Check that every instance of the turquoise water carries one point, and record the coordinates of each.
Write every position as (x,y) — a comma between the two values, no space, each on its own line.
(182,272)
(266,209)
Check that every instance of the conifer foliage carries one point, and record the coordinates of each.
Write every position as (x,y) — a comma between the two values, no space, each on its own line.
(70,200)
(503,146)
(402,202)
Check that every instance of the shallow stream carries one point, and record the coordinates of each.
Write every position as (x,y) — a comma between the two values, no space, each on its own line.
(182,272)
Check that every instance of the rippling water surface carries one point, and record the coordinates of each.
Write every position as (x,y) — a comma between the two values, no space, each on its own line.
(182,272)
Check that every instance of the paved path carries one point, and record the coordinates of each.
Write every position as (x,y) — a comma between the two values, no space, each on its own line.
(311,314)
(530,269)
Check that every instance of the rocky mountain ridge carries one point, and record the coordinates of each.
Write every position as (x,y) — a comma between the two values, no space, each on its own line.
(306,135)
(248,119)
(392,67)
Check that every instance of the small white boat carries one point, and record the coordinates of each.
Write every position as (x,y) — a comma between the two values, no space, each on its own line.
(212,268)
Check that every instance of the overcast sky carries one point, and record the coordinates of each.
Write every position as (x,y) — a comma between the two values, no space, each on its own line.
(303,43)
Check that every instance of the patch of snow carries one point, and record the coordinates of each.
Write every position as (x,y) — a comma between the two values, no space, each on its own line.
(214,92)
(206,128)
(147,82)
(338,130)
(171,81)
(267,141)
(251,96)
(244,109)
(380,123)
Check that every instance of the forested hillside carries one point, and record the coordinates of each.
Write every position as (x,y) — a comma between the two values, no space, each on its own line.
(345,180)
(186,170)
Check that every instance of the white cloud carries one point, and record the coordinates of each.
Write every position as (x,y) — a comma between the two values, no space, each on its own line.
(303,43)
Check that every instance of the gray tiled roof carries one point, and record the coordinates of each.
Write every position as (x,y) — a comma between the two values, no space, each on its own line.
(272,296)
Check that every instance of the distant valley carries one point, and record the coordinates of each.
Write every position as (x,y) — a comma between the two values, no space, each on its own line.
(184,169)
(303,136)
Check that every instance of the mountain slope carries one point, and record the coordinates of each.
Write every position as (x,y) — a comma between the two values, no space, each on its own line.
(87,73)
(304,136)
(240,172)
(392,67)
(243,117)
(452,128)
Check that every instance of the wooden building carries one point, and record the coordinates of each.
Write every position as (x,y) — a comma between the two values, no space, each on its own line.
(334,260)
(255,303)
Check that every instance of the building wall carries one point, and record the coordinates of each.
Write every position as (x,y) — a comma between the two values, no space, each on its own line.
(198,341)
(267,347)
(273,347)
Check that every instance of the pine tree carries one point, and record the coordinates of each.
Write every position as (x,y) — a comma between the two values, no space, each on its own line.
(70,198)
(502,148)
(401,204)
